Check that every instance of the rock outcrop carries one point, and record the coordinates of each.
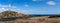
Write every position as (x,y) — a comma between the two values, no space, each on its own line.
(12,14)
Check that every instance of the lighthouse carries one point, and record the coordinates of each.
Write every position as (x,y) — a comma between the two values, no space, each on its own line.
(9,7)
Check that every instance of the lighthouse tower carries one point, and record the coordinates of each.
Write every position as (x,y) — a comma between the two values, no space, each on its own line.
(9,7)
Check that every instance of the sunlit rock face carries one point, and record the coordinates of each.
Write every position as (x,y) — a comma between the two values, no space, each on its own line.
(12,14)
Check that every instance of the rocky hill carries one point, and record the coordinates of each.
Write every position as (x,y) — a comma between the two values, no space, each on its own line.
(12,14)
(24,18)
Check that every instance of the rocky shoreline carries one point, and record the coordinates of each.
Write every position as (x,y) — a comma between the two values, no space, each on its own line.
(35,20)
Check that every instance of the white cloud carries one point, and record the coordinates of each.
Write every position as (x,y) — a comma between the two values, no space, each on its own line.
(51,3)
(26,5)
(0,4)
(6,9)
(18,10)
(14,7)
(36,0)
(3,7)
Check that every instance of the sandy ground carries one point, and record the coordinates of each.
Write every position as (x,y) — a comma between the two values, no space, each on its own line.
(35,20)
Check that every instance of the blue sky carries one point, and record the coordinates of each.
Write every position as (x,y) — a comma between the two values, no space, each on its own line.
(32,6)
